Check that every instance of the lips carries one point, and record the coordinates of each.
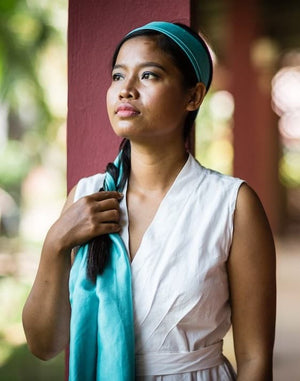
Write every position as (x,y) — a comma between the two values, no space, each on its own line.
(126,110)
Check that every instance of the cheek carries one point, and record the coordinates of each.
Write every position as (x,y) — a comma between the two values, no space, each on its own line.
(110,101)
(170,103)
(108,97)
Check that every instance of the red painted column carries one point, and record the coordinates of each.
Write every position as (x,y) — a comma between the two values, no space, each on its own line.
(95,28)
(256,151)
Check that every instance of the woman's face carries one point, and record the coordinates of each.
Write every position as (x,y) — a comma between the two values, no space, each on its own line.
(146,99)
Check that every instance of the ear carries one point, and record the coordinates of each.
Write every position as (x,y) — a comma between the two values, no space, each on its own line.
(196,97)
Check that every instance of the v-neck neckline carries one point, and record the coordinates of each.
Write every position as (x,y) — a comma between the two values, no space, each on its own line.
(125,226)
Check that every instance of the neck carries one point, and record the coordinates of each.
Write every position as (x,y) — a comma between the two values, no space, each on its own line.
(154,169)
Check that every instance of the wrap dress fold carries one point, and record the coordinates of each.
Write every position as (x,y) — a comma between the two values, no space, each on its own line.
(179,278)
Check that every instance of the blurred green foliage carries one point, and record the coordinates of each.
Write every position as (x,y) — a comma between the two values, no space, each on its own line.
(22,366)
(26,30)
(16,362)
(32,35)
(289,168)
(14,163)
(214,133)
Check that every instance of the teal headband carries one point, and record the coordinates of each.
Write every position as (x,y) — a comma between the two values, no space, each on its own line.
(196,51)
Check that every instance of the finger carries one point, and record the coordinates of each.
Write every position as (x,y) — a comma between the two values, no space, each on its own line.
(106,228)
(108,204)
(112,215)
(99,196)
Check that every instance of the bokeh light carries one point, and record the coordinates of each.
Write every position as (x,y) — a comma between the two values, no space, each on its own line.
(286,90)
(286,103)
(214,135)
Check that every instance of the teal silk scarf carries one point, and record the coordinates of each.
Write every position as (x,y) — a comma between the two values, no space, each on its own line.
(102,327)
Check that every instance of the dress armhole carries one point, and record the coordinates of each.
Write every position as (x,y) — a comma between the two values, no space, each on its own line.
(234,197)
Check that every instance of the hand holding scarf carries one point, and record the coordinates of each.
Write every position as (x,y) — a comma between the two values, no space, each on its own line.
(102,328)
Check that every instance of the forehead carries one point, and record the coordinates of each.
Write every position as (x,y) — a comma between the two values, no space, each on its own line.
(142,48)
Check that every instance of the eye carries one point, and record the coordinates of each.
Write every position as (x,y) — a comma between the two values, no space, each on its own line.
(117,76)
(149,75)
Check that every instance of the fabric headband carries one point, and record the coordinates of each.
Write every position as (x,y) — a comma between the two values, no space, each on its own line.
(196,52)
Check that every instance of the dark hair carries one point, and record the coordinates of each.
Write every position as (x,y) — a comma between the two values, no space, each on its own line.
(99,247)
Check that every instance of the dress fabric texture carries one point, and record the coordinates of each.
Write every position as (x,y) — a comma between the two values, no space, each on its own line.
(179,279)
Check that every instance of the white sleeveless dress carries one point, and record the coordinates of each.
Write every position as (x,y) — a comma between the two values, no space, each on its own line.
(179,277)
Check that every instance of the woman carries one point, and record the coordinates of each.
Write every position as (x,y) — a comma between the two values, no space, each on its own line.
(196,245)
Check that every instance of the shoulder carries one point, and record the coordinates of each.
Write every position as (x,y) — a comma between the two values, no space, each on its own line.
(84,187)
(88,185)
(220,179)
(212,177)
(252,233)
(249,211)
(215,186)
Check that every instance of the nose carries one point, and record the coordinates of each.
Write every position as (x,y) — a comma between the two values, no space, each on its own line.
(128,90)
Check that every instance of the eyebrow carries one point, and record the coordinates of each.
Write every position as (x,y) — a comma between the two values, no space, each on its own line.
(142,65)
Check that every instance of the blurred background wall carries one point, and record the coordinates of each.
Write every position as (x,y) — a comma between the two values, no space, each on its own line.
(249,126)
(33,106)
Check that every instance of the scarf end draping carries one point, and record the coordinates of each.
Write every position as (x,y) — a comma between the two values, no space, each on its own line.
(101,328)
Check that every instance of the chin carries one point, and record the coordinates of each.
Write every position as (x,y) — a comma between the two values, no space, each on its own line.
(125,130)
(123,134)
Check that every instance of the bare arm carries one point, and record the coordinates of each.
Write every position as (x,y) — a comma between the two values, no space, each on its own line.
(253,289)
(46,314)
